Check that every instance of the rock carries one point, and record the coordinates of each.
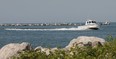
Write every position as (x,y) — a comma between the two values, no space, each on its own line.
(46,50)
(85,41)
(54,49)
(9,50)
(38,48)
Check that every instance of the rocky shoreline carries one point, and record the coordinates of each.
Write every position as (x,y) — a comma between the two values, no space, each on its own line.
(12,49)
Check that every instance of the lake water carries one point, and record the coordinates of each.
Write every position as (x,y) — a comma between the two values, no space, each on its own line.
(50,36)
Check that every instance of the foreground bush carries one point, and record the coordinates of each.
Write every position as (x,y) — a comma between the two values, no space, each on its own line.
(108,51)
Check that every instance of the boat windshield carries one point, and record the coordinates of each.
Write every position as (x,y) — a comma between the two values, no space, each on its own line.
(91,22)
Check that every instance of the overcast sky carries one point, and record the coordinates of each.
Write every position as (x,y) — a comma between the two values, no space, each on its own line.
(50,11)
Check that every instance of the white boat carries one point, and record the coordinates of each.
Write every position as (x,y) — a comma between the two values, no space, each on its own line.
(90,24)
(106,23)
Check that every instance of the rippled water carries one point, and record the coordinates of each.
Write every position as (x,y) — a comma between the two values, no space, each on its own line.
(50,36)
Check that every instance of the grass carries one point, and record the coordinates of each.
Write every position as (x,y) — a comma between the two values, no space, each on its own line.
(108,51)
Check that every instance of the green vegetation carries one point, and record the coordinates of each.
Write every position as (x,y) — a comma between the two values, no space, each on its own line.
(108,51)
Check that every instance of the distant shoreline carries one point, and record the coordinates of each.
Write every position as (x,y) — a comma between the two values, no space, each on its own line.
(42,24)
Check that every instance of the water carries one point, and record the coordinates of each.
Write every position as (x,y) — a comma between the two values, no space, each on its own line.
(50,36)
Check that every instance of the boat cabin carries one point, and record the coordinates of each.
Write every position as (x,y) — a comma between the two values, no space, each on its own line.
(90,22)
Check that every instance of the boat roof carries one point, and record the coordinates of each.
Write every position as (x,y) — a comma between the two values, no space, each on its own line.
(90,20)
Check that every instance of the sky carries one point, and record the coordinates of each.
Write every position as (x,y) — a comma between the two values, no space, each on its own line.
(56,11)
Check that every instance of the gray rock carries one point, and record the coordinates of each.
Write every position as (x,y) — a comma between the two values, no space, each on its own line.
(46,50)
(9,50)
(41,49)
(85,41)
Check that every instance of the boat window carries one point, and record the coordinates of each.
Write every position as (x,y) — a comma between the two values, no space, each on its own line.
(93,21)
(89,22)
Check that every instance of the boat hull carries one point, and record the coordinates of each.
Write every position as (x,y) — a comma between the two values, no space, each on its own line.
(85,27)
(94,28)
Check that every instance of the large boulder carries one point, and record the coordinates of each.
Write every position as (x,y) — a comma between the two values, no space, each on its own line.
(85,41)
(9,50)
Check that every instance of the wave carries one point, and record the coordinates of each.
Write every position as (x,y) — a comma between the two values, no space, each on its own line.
(55,29)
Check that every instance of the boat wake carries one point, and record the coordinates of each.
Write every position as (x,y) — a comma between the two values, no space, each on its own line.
(55,29)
